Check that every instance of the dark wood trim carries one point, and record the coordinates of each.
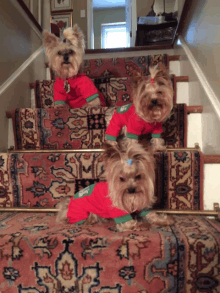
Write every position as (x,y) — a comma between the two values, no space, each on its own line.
(30,15)
(182,78)
(8,114)
(118,50)
(194,109)
(182,22)
(174,89)
(211,159)
(61,11)
(174,57)
(32,85)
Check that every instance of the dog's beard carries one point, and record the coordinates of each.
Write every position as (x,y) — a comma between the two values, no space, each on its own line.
(64,70)
(144,97)
(153,113)
(150,113)
(131,202)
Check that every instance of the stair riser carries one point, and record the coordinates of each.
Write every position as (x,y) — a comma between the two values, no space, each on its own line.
(194,132)
(211,185)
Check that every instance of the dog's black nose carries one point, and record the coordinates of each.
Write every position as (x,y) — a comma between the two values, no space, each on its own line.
(131,190)
(154,102)
(66,57)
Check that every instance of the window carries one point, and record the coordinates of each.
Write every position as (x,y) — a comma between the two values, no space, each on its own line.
(114,35)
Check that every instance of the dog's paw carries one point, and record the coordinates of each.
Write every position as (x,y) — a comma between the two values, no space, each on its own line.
(170,220)
(142,226)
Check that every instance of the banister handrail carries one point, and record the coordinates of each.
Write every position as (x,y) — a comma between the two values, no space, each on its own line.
(30,15)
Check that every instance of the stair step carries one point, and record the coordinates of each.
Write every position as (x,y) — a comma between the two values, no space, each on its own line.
(194,109)
(170,58)
(174,57)
(55,174)
(190,110)
(182,78)
(43,90)
(38,128)
(100,150)
(178,79)
(212,159)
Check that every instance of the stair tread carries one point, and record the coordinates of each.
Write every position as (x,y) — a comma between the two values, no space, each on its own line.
(81,128)
(78,170)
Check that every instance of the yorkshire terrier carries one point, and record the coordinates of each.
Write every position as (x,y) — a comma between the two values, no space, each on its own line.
(127,196)
(152,104)
(65,58)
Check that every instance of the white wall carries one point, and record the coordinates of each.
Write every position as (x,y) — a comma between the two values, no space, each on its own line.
(202,36)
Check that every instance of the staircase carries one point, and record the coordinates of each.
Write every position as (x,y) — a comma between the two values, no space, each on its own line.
(55,153)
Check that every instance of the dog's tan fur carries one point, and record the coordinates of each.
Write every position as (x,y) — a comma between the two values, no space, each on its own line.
(74,48)
(146,93)
(131,187)
(153,101)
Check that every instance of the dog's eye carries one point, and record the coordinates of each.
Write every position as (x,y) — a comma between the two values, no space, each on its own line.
(122,179)
(160,93)
(59,53)
(70,51)
(138,177)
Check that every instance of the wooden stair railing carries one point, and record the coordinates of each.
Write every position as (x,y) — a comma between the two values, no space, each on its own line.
(30,15)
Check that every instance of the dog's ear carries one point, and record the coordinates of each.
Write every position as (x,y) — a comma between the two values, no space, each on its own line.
(75,36)
(137,78)
(50,42)
(110,152)
(161,71)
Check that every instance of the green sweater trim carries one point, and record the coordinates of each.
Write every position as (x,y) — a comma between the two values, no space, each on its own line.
(132,135)
(85,192)
(144,213)
(123,219)
(124,108)
(92,97)
(59,103)
(80,222)
(111,137)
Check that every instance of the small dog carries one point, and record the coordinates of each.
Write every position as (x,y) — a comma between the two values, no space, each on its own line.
(65,58)
(152,104)
(126,197)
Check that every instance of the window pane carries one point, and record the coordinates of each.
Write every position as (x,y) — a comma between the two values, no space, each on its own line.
(113,36)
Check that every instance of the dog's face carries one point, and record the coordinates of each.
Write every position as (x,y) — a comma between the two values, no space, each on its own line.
(153,96)
(65,58)
(131,177)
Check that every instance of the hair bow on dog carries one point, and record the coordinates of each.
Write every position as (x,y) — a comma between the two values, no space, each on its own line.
(129,161)
(152,80)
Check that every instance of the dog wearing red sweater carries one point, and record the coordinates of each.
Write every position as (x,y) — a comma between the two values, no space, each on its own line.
(152,103)
(126,197)
(70,88)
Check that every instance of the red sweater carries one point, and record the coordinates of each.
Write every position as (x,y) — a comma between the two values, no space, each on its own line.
(82,90)
(94,199)
(125,115)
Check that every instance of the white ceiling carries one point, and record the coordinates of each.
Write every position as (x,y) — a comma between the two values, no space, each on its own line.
(103,4)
